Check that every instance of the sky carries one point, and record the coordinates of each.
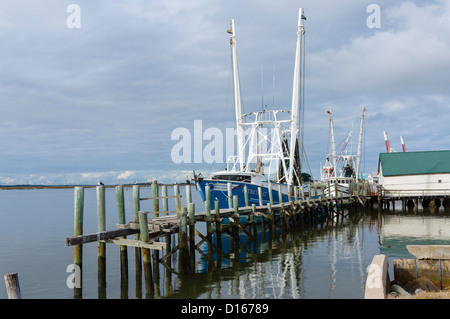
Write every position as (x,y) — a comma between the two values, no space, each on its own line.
(95,91)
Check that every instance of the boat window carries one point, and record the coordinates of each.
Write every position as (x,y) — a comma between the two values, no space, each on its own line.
(237,178)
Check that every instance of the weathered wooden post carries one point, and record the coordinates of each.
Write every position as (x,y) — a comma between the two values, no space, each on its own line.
(101,227)
(165,200)
(78,230)
(176,192)
(246,195)
(270,194)
(122,220)
(254,220)
(137,250)
(235,223)
(191,215)
(183,229)
(208,216)
(183,263)
(155,253)
(12,286)
(188,194)
(218,225)
(146,258)
(155,196)
(283,216)
(230,195)
(280,195)
(260,198)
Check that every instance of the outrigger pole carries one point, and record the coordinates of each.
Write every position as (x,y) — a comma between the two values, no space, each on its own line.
(237,98)
(295,97)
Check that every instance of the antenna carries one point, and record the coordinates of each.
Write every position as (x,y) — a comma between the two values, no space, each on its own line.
(262,87)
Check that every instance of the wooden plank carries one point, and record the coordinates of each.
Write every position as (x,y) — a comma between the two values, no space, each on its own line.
(159,197)
(159,212)
(83,239)
(136,243)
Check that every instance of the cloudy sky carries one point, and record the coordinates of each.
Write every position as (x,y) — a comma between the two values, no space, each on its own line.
(100,99)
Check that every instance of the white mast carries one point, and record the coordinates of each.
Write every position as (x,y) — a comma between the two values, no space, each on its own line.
(358,156)
(237,98)
(295,98)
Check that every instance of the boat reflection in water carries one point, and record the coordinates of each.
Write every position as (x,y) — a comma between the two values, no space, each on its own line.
(317,261)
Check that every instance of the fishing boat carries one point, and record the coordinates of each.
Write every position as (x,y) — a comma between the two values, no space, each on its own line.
(267,163)
(341,170)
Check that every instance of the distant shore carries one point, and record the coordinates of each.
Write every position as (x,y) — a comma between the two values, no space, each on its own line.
(72,186)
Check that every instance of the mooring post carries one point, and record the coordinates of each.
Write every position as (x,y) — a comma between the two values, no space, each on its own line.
(283,215)
(191,215)
(269,186)
(143,227)
(218,225)
(208,213)
(12,286)
(235,223)
(146,258)
(207,201)
(260,198)
(183,228)
(123,249)
(165,200)
(101,227)
(78,231)
(136,202)
(176,192)
(246,195)
(280,195)
(254,220)
(184,251)
(270,211)
(230,195)
(137,250)
(122,220)
(188,194)
(155,195)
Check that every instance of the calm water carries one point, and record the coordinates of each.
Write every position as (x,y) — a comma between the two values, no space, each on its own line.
(328,261)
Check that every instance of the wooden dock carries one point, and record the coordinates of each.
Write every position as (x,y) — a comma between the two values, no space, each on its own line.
(153,230)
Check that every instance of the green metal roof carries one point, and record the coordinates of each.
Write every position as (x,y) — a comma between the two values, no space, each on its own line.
(408,163)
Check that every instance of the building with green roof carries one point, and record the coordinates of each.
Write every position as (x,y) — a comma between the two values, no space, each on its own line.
(415,174)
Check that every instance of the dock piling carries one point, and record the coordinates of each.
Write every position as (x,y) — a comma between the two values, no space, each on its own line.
(101,227)
(78,230)
(12,286)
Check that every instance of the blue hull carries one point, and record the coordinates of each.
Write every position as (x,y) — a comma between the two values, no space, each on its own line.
(219,191)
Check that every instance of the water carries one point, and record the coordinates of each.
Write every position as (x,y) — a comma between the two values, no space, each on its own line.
(326,262)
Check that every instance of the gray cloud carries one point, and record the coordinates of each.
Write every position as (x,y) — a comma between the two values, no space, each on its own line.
(106,97)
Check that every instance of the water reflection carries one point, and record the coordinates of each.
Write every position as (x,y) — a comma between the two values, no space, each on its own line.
(281,264)
(326,260)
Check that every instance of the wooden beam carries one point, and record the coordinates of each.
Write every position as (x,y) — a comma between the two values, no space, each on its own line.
(82,239)
(136,243)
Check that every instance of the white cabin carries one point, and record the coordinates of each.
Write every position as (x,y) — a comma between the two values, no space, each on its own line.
(415,174)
